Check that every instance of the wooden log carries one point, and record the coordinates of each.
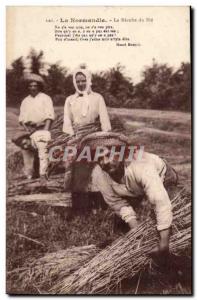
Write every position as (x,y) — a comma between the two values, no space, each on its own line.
(54,199)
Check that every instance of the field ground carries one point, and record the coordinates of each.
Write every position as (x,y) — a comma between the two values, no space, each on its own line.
(161,132)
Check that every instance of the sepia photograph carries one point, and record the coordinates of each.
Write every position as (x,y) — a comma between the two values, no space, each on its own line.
(98,150)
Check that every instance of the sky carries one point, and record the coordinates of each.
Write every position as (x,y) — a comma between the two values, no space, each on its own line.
(163,35)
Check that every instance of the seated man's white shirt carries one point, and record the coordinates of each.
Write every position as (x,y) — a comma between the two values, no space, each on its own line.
(36,109)
(81,110)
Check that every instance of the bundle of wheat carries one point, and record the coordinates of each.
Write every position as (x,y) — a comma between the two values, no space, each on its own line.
(60,138)
(128,255)
(43,272)
(14,162)
(32,186)
(57,125)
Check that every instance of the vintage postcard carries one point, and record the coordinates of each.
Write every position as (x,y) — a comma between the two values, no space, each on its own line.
(98,107)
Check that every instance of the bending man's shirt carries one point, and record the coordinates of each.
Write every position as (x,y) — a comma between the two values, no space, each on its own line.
(145,178)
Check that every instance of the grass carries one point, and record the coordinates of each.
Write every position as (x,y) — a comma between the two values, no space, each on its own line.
(58,229)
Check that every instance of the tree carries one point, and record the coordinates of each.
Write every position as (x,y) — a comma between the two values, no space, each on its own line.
(58,83)
(120,86)
(114,86)
(181,82)
(154,91)
(160,88)
(163,88)
(35,60)
(15,90)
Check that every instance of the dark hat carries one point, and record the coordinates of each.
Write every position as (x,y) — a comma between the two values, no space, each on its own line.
(19,138)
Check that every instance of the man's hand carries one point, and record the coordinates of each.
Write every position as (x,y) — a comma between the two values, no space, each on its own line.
(164,239)
(133,223)
(163,247)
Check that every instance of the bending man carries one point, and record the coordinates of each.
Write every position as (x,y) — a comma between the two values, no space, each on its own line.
(144,177)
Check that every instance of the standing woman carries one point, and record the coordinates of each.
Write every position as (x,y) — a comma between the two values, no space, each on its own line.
(85,106)
(82,108)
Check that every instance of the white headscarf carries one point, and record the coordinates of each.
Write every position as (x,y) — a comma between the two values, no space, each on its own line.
(82,69)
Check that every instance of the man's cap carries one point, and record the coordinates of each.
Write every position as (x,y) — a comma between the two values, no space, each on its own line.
(33,77)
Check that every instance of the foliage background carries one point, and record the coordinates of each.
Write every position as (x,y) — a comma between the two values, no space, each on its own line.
(161,87)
